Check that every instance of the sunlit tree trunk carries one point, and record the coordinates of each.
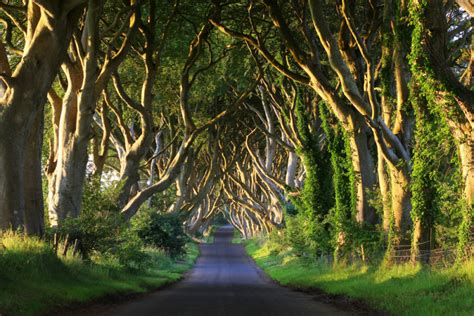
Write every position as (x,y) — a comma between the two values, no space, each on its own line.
(400,199)
(49,30)
(66,180)
(85,84)
(383,181)
(362,163)
(467,164)
(291,168)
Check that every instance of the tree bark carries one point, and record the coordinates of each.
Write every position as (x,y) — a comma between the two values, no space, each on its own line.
(49,30)
(363,165)
(466,152)
(401,201)
(34,204)
(384,186)
(86,83)
(65,184)
(421,242)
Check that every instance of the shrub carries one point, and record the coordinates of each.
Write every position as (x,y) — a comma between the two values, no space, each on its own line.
(130,252)
(164,231)
(100,232)
(94,231)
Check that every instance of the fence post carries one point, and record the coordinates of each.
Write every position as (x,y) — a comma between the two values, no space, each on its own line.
(362,252)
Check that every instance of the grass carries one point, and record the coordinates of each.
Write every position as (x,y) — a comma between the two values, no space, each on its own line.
(238,238)
(33,280)
(398,290)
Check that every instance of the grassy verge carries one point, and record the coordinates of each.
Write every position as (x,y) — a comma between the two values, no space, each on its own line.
(399,290)
(237,238)
(33,280)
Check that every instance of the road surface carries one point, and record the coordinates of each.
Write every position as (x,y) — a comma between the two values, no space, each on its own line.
(224,281)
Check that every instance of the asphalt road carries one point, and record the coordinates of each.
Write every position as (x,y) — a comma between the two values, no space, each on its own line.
(224,281)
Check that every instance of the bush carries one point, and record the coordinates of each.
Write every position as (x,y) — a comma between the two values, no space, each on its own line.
(163,231)
(100,232)
(130,252)
(94,232)
(98,227)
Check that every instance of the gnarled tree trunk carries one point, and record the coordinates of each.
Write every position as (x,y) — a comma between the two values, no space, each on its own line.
(49,30)
(86,83)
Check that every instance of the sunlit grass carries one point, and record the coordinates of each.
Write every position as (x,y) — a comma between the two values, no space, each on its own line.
(400,289)
(33,279)
(237,237)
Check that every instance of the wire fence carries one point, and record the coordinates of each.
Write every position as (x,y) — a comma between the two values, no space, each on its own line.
(436,257)
(441,257)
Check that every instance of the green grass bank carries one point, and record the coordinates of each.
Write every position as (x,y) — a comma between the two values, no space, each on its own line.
(34,280)
(398,290)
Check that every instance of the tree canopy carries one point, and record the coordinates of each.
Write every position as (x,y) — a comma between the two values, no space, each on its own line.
(336,124)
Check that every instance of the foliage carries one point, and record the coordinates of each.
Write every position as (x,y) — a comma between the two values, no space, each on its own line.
(102,234)
(436,178)
(343,177)
(219,219)
(295,235)
(98,227)
(163,231)
(308,229)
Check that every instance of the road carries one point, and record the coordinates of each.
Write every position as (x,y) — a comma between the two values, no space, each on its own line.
(224,281)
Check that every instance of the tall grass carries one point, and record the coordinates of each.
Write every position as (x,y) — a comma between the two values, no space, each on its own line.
(399,289)
(33,279)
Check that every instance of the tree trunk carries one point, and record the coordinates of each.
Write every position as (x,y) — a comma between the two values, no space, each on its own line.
(129,171)
(67,182)
(401,202)
(63,197)
(49,30)
(66,194)
(182,186)
(34,204)
(128,176)
(384,191)
(466,152)
(420,242)
(165,182)
(12,150)
(291,168)
(363,165)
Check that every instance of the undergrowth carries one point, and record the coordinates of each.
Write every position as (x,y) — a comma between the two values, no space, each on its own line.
(398,289)
(34,280)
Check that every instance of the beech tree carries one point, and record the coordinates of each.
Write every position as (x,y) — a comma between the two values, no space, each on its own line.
(341,127)
(73,117)
(49,28)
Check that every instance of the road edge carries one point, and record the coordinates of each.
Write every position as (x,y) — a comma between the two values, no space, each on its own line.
(344,302)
